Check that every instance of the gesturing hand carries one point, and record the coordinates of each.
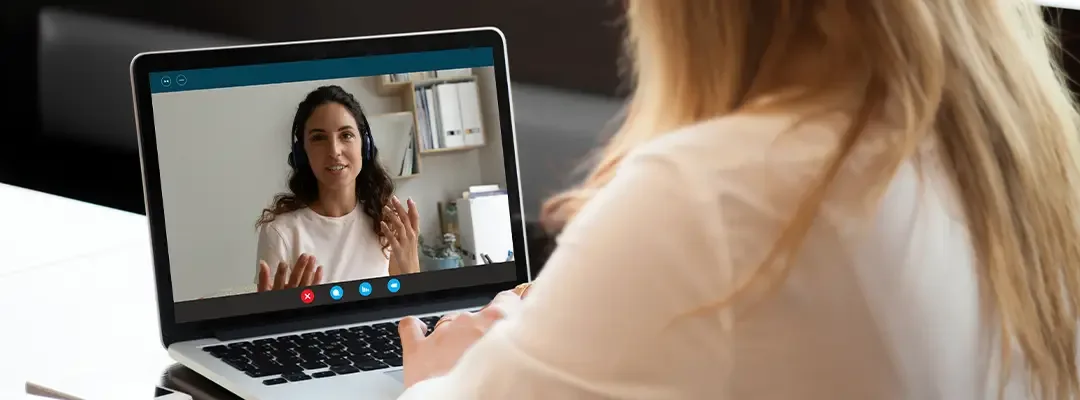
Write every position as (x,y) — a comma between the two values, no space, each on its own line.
(401,227)
(303,273)
(435,354)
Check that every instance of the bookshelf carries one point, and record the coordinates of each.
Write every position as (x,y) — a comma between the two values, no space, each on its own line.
(404,86)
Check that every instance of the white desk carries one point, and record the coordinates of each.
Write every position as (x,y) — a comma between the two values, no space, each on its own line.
(38,229)
(77,293)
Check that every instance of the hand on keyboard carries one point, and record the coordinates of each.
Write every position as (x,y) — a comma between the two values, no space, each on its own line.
(436,353)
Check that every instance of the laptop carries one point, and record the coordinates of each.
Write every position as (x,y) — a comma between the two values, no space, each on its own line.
(254,155)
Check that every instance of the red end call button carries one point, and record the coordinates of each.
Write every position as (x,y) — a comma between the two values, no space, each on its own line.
(307,296)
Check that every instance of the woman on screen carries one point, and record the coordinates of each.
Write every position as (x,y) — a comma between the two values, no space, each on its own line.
(808,199)
(340,220)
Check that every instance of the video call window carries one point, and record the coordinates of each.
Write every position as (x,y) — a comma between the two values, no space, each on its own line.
(255,176)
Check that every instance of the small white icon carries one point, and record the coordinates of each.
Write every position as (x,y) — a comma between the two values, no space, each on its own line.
(166,81)
(181,80)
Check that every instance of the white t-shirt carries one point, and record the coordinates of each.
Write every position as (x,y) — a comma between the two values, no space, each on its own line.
(346,247)
(880,306)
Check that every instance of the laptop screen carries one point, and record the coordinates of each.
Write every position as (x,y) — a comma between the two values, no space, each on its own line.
(307,183)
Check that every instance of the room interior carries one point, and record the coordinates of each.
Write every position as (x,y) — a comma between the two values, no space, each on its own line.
(66,84)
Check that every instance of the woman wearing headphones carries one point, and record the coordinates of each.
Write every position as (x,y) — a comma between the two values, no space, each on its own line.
(340,221)
(809,199)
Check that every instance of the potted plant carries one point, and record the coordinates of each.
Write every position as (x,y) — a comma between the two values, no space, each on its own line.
(440,256)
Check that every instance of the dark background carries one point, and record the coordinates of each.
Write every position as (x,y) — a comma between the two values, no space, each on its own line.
(563,44)
(570,45)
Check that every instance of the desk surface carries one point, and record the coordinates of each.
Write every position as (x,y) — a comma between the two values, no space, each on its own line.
(77,284)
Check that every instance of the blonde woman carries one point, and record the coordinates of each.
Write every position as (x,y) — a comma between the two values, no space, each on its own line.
(809,199)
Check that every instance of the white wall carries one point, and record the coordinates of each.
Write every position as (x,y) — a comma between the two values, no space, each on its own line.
(222,158)
(491,155)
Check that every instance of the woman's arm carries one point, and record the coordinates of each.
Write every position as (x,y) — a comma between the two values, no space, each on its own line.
(602,320)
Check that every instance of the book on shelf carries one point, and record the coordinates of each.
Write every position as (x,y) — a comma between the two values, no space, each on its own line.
(431,75)
(413,76)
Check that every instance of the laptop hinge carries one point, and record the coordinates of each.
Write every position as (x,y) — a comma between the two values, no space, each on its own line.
(356,317)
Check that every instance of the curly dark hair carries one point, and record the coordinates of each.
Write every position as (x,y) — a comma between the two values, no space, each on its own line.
(374,187)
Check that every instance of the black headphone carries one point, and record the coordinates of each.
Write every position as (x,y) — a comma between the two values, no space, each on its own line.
(298,157)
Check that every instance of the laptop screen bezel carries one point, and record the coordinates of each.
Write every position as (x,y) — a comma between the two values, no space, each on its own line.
(145,64)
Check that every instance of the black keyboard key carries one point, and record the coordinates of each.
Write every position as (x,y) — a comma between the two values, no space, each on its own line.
(385,354)
(333,348)
(275,381)
(323,374)
(382,345)
(266,341)
(312,365)
(286,345)
(344,369)
(393,362)
(234,352)
(357,358)
(362,350)
(371,365)
(284,369)
(241,364)
(337,354)
(260,373)
(296,376)
(264,362)
(333,362)
(289,360)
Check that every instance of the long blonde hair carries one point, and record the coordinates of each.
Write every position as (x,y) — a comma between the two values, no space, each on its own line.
(980,75)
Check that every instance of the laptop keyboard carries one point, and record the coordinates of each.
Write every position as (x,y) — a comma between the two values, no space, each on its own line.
(314,355)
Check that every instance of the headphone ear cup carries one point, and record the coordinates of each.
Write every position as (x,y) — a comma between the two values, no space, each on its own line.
(296,156)
(369,146)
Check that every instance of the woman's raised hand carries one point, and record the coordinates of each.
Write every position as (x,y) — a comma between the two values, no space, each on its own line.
(401,226)
(305,272)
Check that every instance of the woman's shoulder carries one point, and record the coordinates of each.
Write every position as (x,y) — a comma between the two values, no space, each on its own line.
(748,140)
(743,147)
(283,222)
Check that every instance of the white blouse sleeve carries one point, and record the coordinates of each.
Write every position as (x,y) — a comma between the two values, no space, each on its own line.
(603,319)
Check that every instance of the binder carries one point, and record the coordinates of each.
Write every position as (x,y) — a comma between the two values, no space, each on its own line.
(471,124)
(450,115)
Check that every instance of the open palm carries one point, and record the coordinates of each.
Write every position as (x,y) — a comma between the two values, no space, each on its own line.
(401,227)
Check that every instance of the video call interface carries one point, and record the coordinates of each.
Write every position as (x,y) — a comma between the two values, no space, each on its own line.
(317,182)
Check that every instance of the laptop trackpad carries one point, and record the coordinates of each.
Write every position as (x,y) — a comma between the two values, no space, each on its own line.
(396,375)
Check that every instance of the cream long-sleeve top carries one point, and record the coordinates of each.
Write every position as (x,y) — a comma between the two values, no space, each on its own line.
(882,303)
